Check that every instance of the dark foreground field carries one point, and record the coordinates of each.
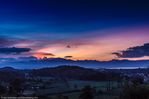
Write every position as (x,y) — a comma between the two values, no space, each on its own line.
(74,82)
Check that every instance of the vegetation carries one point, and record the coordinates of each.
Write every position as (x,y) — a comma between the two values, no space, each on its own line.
(16,87)
(136,92)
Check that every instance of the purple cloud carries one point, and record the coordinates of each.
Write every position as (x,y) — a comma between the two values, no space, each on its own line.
(132,52)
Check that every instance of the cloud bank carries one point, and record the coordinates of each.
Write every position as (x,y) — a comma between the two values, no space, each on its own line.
(13,50)
(133,52)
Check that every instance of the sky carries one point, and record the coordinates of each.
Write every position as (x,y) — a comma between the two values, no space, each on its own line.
(75,29)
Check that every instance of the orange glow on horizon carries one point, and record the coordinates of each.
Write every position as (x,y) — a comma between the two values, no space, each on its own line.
(98,48)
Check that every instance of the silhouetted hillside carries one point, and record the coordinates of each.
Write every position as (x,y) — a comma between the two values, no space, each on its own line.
(9,74)
(8,69)
(74,72)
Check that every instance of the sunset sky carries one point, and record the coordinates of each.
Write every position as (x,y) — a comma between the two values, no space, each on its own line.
(75,29)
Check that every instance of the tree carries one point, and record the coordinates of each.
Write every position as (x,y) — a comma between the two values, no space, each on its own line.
(136,92)
(137,80)
(87,93)
(16,87)
(2,90)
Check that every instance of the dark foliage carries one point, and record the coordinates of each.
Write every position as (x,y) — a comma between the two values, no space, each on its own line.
(87,93)
(16,87)
(8,74)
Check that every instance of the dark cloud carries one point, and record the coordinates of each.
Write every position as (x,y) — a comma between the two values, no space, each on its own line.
(27,58)
(47,54)
(68,46)
(132,52)
(68,56)
(13,50)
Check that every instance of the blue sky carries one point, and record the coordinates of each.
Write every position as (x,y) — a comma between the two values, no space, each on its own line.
(70,16)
